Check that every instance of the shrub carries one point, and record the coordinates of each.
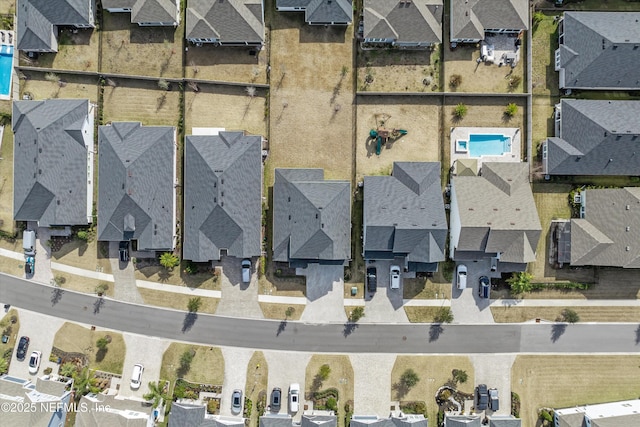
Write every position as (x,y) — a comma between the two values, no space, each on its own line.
(48,371)
(545,415)
(455,80)
(191,268)
(460,111)
(102,343)
(511,110)
(324,372)
(212,406)
(409,378)
(570,316)
(332,404)
(538,17)
(83,235)
(248,404)
(163,84)
(443,315)
(356,314)
(169,260)
(418,407)
(520,282)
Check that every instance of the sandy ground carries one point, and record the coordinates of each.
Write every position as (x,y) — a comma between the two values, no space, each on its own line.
(141,101)
(419,116)
(225,106)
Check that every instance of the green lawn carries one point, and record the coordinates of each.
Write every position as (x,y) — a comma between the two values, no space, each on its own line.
(207,366)
(76,339)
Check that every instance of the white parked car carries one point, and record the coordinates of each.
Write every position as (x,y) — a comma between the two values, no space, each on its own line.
(394,273)
(34,362)
(136,376)
(462,276)
(294,398)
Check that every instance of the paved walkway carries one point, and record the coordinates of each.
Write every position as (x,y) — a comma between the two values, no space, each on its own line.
(125,281)
(82,272)
(178,289)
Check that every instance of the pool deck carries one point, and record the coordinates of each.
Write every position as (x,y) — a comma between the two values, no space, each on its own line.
(463,133)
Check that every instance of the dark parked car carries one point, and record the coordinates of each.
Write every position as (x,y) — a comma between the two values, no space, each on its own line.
(23,346)
(483,288)
(482,397)
(372,280)
(276,399)
(124,251)
(29,266)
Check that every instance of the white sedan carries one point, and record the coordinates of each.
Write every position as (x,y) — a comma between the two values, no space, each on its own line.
(34,362)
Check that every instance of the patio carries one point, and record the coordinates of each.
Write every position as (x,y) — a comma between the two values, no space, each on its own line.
(460,149)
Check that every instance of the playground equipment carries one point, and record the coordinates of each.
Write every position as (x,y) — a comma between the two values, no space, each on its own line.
(382,136)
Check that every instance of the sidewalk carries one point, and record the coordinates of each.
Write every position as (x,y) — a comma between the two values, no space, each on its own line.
(565,302)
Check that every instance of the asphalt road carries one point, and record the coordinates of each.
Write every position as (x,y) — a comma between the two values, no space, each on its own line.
(333,337)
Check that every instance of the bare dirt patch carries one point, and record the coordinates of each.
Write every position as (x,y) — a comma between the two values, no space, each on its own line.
(229,107)
(559,381)
(311,97)
(144,51)
(227,64)
(64,86)
(78,49)
(399,70)
(419,116)
(141,101)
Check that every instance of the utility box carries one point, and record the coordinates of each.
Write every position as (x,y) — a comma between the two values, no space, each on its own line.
(29,242)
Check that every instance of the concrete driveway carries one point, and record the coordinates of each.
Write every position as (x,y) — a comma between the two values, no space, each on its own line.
(125,288)
(42,271)
(238,299)
(466,304)
(235,376)
(386,304)
(372,383)
(284,369)
(41,331)
(147,351)
(325,293)
(494,370)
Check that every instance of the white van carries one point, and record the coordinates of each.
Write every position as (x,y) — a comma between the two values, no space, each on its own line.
(462,276)
(29,242)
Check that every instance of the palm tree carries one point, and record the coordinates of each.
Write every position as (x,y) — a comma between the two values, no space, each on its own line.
(157,394)
(68,369)
(169,260)
(84,382)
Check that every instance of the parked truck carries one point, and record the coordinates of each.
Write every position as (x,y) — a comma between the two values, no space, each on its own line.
(29,242)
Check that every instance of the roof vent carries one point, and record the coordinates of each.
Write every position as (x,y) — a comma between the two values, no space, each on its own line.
(512,223)
(628,248)
(495,209)
(628,228)
(470,209)
(433,224)
(517,209)
(289,217)
(627,207)
(488,223)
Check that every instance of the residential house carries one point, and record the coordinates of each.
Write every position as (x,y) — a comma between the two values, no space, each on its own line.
(226,23)
(619,414)
(607,234)
(222,196)
(599,50)
(403,23)
(493,216)
(402,420)
(47,400)
(136,189)
(320,12)
(462,421)
(471,19)
(594,138)
(147,13)
(308,420)
(38,21)
(404,216)
(311,218)
(194,415)
(53,161)
(121,412)
(504,421)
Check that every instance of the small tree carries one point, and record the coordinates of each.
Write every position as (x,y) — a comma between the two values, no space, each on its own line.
(186,359)
(409,378)
(289,312)
(156,394)
(570,316)
(460,376)
(356,314)
(102,288)
(83,235)
(194,304)
(168,260)
(455,80)
(443,315)
(102,343)
(59,280)
(68,369)
(520,282)
(251,91)
(511,110)
(324,372)
(163,84)
(460,111)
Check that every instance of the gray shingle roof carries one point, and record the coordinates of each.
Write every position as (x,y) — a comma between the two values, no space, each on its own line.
(30,393)
(416,22)
(600,50)
(404,421)
(462,421)
(37,21)
(311,216)
(52,142)
(275,420)
(187,415)
(470,18)
(609,233)
(322,11)
(222,196)
(136,195)
(230,21)
(319,421)
(504,422)
(120,413)
(592,133)
(497,212)
(404,213)
(144,11)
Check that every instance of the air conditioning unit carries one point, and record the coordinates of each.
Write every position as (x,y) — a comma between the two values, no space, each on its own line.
(577,198)
(447,206)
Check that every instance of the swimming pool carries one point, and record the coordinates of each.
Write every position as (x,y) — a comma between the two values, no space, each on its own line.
(6,65)
(480,144)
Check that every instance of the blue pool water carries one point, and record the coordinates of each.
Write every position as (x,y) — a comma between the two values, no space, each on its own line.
(6,64)
(488,145)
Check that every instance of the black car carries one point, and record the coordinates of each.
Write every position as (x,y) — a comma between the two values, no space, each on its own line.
(482,397)
(124,251)
(372,280)
(23,345)
(276,399)
(484,286)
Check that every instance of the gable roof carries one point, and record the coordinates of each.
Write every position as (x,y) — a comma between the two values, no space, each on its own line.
(188,415)
(222,196)
(311,216)
(462,421)
(136,195)
(609,232)
(410,420)
(504,421)
(596,138)
(144,11)
(404,22)
(52,141)
(37,21)
(469,19)
(613,414)
(38,396)
(497,212)
(321,11)
(228,21)
(600,50)
(122,412)
(404,213)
